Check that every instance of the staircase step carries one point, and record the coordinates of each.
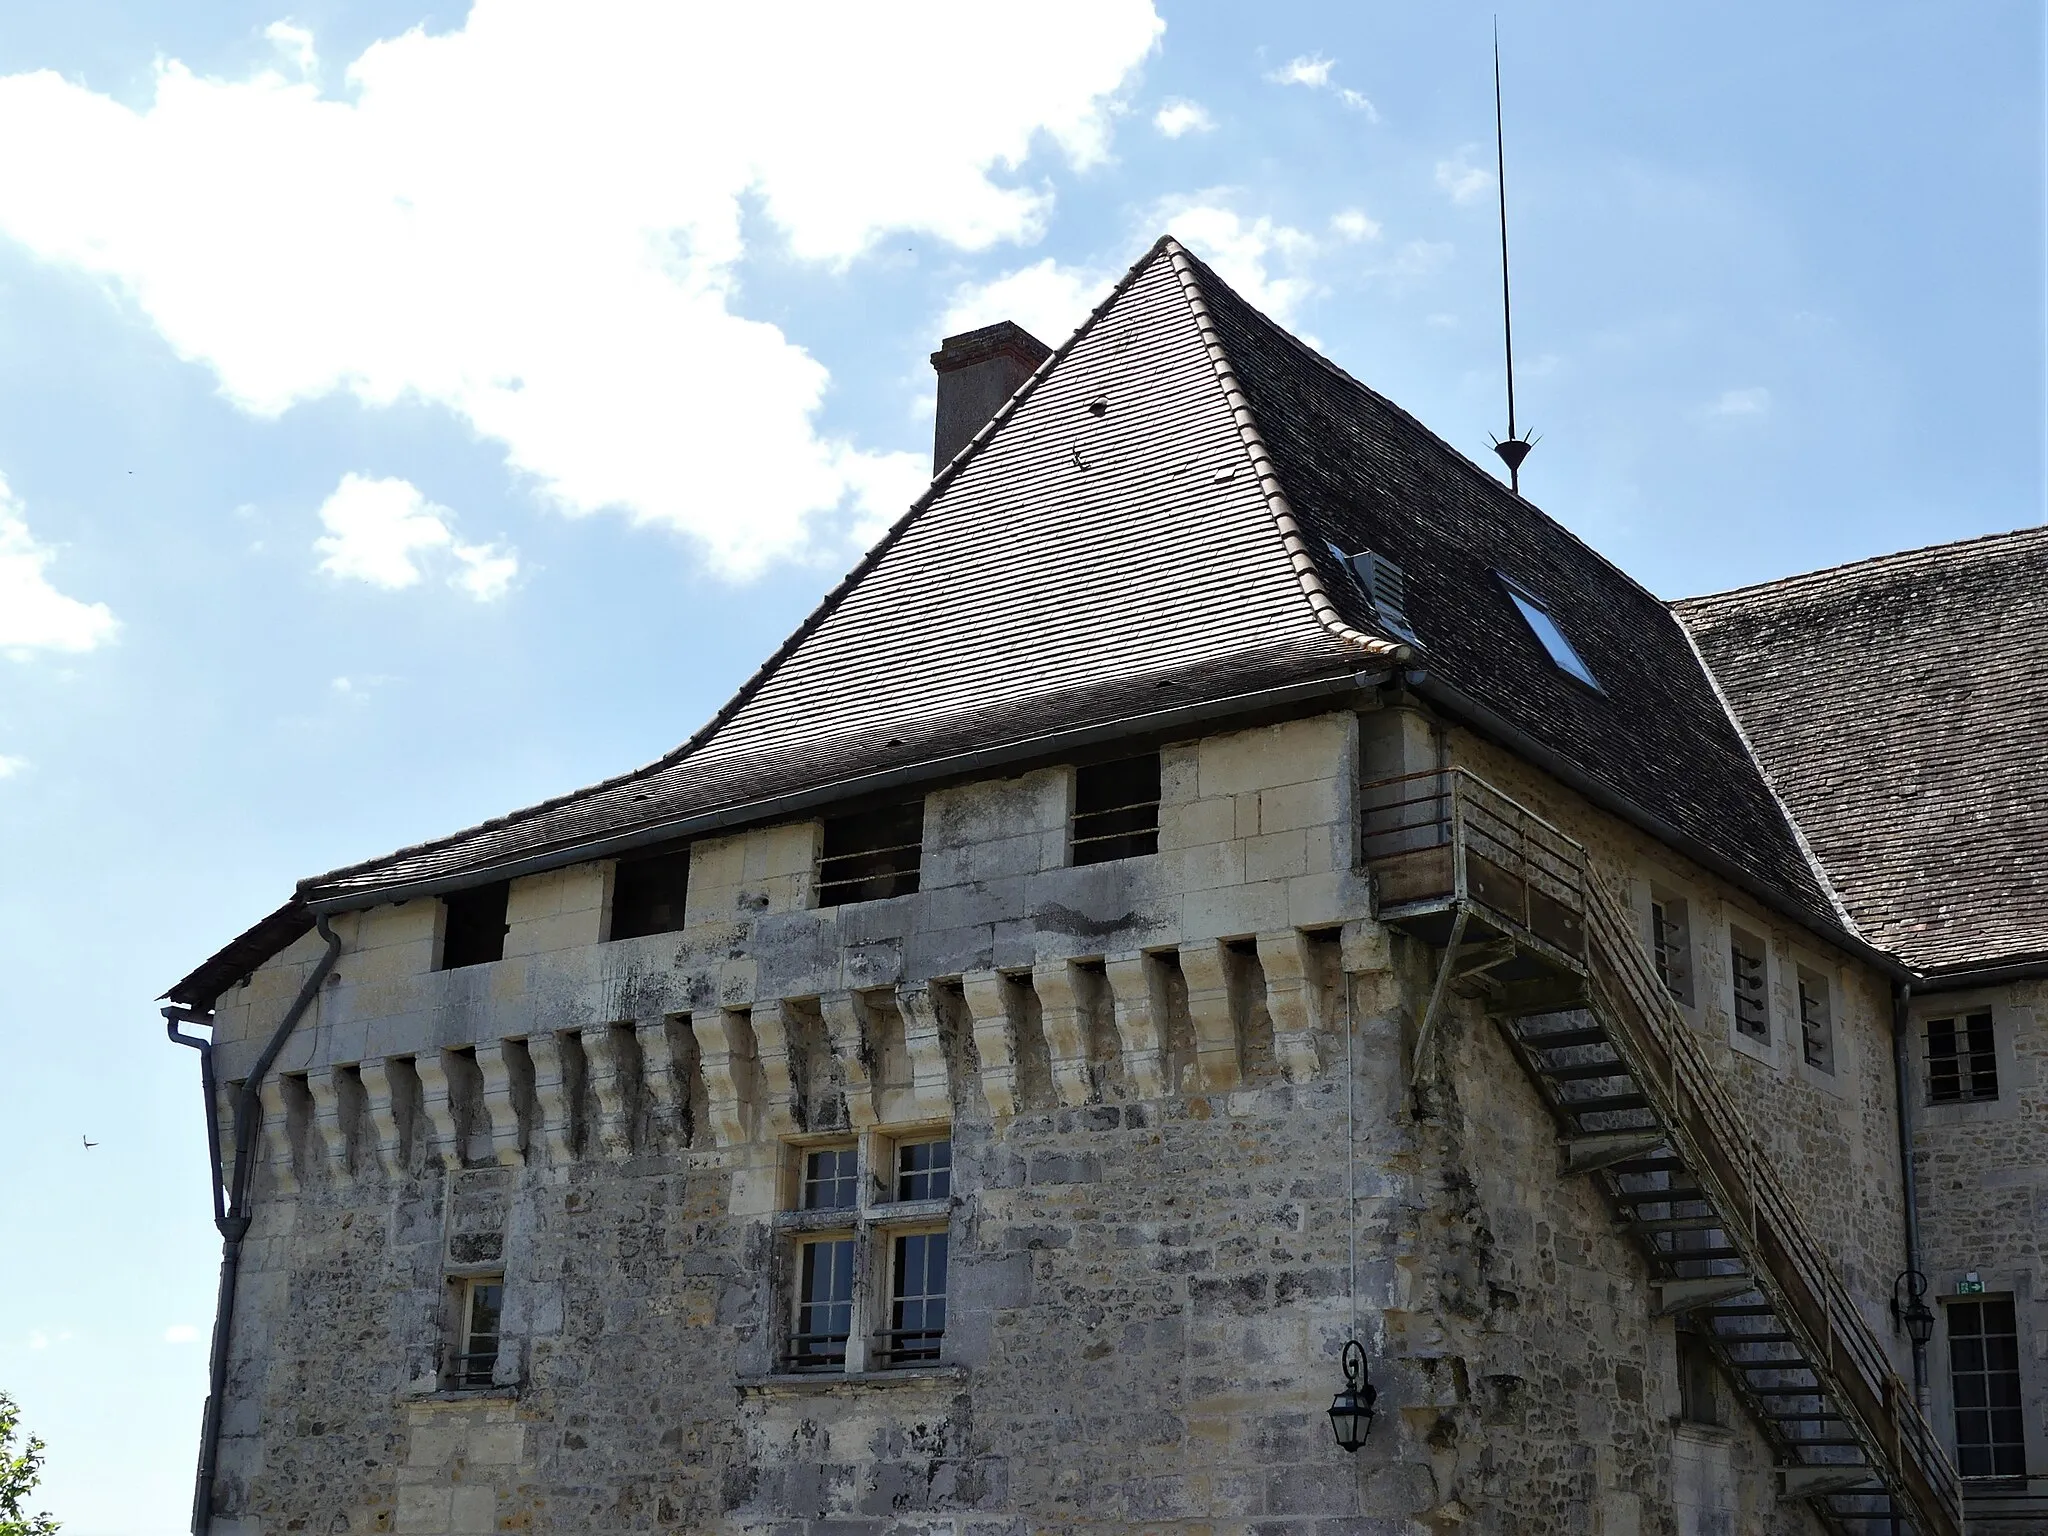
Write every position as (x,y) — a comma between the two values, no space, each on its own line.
(1686,1195)
(1741,1309)
(1810,1391)
(1586,1070)
(1559,1039)
(1805,1418)
(1710,1222)
(1756,1338)
(1689,1255)
(1798,1442)
(1611,1104)
(1647,1165)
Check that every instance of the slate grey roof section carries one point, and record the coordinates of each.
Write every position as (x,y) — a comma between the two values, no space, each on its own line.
(1900,705)
(1362,473)
(1147,518)
(1110,525)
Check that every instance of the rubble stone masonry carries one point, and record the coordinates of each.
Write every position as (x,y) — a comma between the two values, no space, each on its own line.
(1151,1088)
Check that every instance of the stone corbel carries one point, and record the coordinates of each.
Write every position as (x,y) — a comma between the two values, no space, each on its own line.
(775,1026)
(508,1142)
(605,1053)
(330,1137)
(1291,1001)
(277,1135)
(852,1036)
(658,1075)
(1207,968)
(377,1090)
(1061,1015)
(995,1041)
(1133,987)
(930,1085)
(551,1108)
(725,1047)
(444,1144)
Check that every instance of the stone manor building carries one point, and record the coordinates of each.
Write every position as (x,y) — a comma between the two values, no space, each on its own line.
(1222,878)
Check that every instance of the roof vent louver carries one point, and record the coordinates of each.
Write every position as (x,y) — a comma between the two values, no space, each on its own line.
(1384,586)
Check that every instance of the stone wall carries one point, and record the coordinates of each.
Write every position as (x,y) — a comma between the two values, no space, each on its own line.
(1144,1067)
(1982,1171)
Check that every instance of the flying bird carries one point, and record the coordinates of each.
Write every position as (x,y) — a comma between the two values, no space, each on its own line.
(89,1145)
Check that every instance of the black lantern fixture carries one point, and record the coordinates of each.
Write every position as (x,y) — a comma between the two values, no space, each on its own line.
(1916,1317)
(1351,1409)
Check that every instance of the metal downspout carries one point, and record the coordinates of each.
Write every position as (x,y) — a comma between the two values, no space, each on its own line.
(1902,998)
(233,1218)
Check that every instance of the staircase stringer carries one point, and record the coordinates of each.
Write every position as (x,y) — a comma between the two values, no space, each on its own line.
(1759,1219)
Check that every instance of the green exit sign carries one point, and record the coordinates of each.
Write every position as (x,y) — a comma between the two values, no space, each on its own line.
(1969,1285)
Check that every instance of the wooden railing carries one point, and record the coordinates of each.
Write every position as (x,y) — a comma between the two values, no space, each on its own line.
(1446,835)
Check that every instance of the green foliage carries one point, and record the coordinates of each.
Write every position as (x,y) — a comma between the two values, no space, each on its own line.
(19,1475)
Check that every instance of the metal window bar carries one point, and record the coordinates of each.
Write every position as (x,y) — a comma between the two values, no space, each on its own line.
(816,1352)
(473,1368)
(1669,947)
(911,1346)
(1815,1028)
(1094,829)
(1962,1059)
(1751,1014)
(846,877)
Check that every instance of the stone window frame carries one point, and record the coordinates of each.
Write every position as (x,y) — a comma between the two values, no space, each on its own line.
(1660,894)
(1765,1051)
(2008,1021)
(873,1224)
(458,1329)
(1801,964)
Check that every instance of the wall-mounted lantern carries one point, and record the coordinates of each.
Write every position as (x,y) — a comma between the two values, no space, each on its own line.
(1351,1410)
(1915,1316)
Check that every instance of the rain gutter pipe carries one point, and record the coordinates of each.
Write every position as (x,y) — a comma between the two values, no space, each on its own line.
(232,1217)
(1909,1183)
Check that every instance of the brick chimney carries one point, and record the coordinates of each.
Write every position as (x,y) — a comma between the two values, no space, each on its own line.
(978,371)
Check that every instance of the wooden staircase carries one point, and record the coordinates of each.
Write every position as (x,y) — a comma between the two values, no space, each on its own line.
(1522,922)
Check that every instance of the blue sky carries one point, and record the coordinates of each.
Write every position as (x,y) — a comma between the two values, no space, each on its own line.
(406,414)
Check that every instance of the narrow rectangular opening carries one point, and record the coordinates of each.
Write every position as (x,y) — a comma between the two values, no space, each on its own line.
(1746,980)
(1698,1401)
(869,855)
(649,893)
(1116,809)
(1671,945)
(1962,1060)
(1816,1021)
(481,1309)
(475,928)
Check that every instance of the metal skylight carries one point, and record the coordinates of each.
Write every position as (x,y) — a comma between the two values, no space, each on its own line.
(1549,635)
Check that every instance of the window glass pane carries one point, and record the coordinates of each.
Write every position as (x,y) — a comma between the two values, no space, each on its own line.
(483,1305)
(831,1179)
(924,1170)
(1553,639)
(917,1308)
(824,1314)
(1984,1377)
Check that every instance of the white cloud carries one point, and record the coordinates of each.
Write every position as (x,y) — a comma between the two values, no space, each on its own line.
(1246,252)
(1180,116)
(535,221)
(1047,298)
(1755,401)
(33,614)
(1461,179)
(180,1333)
(294,44)
(1353,224)
(1309,69)
(1313,71)
(10,766)
(384,531)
